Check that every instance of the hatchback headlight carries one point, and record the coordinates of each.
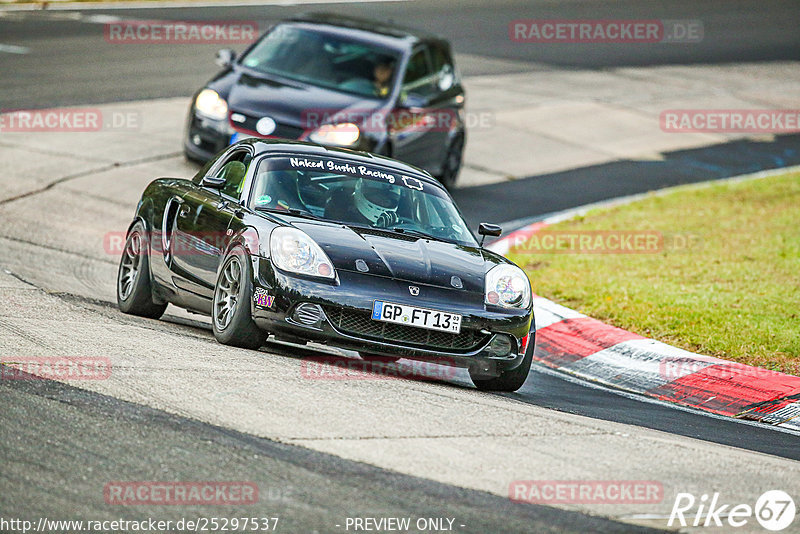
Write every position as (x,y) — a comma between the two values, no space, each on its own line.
(210,104)
(294,251)
(507,286)
(344,134)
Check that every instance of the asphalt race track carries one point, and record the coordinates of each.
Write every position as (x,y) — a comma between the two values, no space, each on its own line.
(304,487)
(73,50)
(190,409)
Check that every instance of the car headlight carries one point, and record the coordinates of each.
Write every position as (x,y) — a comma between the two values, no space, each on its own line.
(507,286)
(343,134)
(294,251)
(210,104)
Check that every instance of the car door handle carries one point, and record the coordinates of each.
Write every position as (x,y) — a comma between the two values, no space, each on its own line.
(222,205)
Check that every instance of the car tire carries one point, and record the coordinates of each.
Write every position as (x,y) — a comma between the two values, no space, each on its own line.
(230,309)
(134,289)
(508,381)
(370,357)
(452,162)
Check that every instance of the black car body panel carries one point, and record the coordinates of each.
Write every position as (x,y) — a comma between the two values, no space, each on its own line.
(192,228)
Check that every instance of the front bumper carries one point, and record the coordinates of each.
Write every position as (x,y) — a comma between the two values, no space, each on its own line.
(346,306)
(204,137)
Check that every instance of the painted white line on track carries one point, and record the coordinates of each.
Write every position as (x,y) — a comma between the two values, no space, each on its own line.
(71,16)
(100,19)
(85,6)
(14,49)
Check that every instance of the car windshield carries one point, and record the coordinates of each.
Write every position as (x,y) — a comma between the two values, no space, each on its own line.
(324,60)
(367,197)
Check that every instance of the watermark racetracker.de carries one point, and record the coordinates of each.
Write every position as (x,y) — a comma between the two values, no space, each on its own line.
(180,493)
(586,491)
(758,121)
(605,31)
(75,120)
(176,243)
(337,368)
(604,242)
(55,368)
(675,368)
(406,120)
(171,32)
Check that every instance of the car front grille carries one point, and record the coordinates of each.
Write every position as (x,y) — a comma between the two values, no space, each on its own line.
(360,324)
(285,131)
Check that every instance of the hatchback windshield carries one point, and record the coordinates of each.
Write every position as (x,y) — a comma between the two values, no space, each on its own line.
(324,60)
(358,195)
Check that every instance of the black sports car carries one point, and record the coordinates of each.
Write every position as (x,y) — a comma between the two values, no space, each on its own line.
(337,81)
(340,247)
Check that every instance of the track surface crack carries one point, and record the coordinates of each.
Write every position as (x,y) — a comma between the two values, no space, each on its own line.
(104,168)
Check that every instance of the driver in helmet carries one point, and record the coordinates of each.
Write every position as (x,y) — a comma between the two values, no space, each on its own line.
(372,203)
(377,202)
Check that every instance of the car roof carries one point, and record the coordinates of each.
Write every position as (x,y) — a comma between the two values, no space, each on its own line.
(386,32)
(302,148)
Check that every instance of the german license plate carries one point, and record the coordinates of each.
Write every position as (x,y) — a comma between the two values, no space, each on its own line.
(413,316)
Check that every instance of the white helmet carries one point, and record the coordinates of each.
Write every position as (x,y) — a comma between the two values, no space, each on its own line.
(377,200)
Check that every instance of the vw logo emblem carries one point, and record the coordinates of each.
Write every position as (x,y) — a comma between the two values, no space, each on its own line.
(414,290)
(265,126)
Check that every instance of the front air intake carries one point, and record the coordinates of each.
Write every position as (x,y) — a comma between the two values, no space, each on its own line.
(308,314)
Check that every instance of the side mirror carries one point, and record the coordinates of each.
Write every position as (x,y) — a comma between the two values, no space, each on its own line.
(446,80)
(485,229)
(225,57)
(213,182)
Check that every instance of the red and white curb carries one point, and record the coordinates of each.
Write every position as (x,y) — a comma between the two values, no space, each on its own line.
(592,350)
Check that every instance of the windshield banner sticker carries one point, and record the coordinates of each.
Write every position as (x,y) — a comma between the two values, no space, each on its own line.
(355,170)
(412,183)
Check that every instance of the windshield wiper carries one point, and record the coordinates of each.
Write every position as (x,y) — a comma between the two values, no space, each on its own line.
(420,234)
(291,211)
(402,231)
(415,233)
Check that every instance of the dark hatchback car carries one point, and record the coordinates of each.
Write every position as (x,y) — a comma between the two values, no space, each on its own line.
(340,247)
(341,82)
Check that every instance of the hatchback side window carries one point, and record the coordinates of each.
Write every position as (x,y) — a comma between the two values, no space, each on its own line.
(419,75)
(233,171)
(417,68)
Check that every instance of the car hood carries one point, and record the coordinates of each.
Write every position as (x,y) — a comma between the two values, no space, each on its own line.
(423,261)
(289,102)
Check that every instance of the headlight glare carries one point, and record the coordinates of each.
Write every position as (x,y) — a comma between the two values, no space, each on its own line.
(294,251)
(210,104)
(507,286)
(343,134)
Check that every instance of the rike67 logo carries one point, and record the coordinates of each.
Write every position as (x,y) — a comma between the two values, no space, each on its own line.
(774,510)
